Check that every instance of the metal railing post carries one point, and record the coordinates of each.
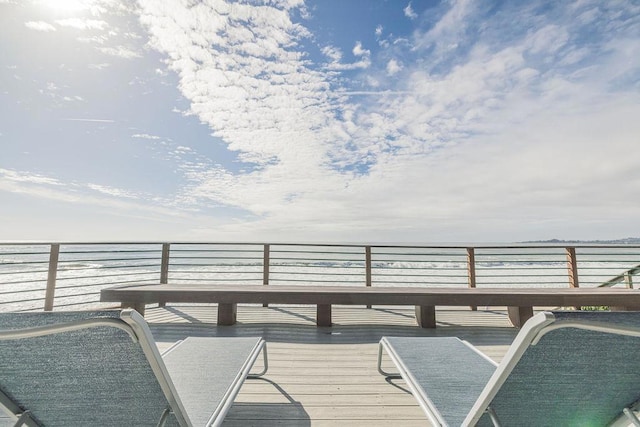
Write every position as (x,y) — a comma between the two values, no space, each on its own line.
(265,267)
(471,271)
(367,267)
(164,267)
(572,267)
(54,255)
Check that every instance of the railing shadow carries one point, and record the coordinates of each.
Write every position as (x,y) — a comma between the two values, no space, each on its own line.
(182,314)
(276,330)
(293,313)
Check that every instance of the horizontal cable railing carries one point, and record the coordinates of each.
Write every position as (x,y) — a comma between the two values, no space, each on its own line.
(531,267)
(314,265)
(607,267)
(215,263)
(69,276)
(23,276)
(417,266)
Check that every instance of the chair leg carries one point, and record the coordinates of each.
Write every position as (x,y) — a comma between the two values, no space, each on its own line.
(631,417)
(382,371)
(265,363)
(25,420)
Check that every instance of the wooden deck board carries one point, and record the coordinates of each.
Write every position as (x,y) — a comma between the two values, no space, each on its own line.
(328,376)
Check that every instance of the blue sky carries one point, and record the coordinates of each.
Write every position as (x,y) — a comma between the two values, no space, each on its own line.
(292,120)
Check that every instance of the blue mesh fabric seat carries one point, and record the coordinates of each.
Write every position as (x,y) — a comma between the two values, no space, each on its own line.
(103,368)
(570,368)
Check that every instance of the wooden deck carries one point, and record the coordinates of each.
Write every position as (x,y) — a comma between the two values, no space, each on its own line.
(321,376)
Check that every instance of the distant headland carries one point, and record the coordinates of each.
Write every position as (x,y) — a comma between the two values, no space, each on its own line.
(625,241)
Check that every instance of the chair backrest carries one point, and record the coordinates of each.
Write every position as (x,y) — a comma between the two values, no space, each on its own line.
(565,368)
(94,375)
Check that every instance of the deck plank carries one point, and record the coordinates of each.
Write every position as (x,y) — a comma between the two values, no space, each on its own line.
(327,376)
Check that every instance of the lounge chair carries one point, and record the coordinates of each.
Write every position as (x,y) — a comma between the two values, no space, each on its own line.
(563,369)
(103,368)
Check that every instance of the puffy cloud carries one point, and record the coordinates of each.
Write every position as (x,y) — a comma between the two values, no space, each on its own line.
(335,57)
(110,191)
(333,53)
(448,32)
(548,39)
(145,136)
(320,156)
(409,12)
(25,177)
(82,24)
(358,50)
(393,67)
(238,66)
(496,124)
(120,51)
(40,26)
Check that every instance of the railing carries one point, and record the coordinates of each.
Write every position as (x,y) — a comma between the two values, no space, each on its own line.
(44,276)
(626,277)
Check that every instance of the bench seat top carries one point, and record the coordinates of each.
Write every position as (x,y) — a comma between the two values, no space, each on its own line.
(314,294)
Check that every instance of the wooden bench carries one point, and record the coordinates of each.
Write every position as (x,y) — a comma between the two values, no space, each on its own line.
(520,301)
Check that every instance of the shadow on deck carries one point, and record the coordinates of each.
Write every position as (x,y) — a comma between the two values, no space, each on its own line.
(351,325)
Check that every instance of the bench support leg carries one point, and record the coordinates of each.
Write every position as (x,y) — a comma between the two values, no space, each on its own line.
(426,316)
(323,315)
(137,306)
(519,315)
(227,314)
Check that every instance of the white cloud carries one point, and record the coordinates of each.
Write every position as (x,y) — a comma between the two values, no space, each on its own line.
(40,26)
(255,92)
(82,24)
(473,133)
(333,53)
(145,136)
(409,12)
(89,120)
(447,33)
(110,191)
(483,134)
(358,50)
(335,57)
(120,51)
(548,39)
(393,67)
(100,66)
(116,210)
(74,98)
(25,177)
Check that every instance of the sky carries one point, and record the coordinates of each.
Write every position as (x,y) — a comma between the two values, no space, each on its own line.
(319,121)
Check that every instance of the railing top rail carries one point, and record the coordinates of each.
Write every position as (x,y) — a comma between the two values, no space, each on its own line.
(338,245)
